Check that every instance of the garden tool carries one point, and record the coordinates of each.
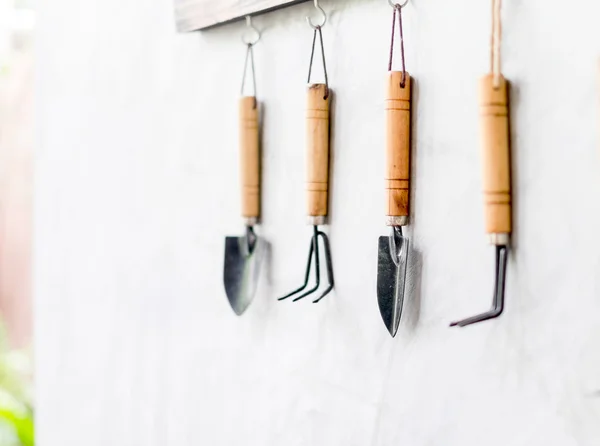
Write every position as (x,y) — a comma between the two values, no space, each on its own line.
(496,184)
(317,179)
(243,255)
(393,249)
(495,142)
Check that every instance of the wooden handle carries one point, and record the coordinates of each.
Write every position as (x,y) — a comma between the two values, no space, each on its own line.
(397,175)
(495,143)
(249,158)
(317,150)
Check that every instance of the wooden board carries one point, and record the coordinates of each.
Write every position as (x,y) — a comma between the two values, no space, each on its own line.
(191,15)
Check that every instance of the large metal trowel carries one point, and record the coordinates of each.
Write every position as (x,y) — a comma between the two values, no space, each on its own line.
(243,255)
(393,250)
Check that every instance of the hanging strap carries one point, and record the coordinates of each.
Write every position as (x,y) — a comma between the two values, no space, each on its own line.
(496,47)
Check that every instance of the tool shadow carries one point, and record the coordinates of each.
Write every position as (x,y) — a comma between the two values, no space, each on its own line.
(332,143)
(265,288)
(514,97)
(412,294)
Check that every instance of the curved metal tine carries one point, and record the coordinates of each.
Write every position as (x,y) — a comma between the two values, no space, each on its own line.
(315,243)
(329,263)
(306,275)
(498,300)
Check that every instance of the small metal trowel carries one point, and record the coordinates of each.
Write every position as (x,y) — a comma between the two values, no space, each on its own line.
(393,250)
(243,255)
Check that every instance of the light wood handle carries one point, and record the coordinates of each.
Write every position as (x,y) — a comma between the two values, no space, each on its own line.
(397,175)
(317,150)
(495,143)
(249,158)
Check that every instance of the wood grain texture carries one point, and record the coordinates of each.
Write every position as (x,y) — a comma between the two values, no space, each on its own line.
(249,157)
(191,15)
(317,150)
(397,175)
(495,144)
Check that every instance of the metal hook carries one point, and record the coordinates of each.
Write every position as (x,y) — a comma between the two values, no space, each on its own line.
(253,29)
(323,14)
(498,299)
(398,5)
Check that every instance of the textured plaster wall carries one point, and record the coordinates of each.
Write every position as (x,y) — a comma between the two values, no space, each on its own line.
(137,186)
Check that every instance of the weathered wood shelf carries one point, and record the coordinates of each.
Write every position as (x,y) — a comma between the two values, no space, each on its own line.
(192,15)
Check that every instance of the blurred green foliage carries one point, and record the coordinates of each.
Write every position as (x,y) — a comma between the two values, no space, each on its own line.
(16,403)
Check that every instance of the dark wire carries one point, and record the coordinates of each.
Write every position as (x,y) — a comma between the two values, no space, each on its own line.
(312,56)
(249,56)
(398,10)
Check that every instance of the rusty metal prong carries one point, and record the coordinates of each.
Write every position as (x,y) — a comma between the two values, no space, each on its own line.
(315,244)
(306,275)
(498,299)
(329,264)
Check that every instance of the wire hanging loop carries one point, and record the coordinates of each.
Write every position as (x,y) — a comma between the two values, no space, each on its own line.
(496,51)
(398,11)
(318,30)
(249,58)
(323,17)
(312,57)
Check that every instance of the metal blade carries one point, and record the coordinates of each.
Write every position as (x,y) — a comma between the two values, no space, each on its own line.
(241,271)
(391,278)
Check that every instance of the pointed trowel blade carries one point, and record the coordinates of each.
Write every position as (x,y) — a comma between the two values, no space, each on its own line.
(391,277)
(241,271)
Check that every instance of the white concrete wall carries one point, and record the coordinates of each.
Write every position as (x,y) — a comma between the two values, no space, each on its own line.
(136,188)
